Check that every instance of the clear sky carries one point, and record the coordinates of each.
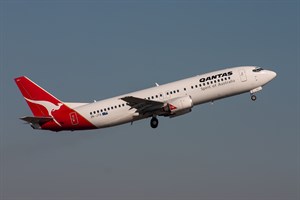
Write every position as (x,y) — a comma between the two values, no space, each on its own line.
(235,149)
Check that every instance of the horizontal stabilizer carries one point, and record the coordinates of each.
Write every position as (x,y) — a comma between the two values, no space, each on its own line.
(36,120)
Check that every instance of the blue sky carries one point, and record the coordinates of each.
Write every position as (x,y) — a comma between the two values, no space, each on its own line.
(85,50)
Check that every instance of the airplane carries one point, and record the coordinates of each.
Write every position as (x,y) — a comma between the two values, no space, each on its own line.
(168,100)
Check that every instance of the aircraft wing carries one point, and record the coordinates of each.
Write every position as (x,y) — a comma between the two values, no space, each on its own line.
(144,106)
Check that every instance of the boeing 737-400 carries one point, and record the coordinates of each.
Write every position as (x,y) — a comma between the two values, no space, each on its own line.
(168,100)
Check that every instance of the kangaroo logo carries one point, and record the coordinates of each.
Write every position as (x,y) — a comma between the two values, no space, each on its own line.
(51,107)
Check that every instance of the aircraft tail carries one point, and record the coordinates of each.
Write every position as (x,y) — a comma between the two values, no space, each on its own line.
(40,102)
(49,112)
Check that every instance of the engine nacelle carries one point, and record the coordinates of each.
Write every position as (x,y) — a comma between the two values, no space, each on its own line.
(178,106)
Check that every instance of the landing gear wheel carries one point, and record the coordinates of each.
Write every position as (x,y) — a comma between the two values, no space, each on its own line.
(154,122)
(253,97)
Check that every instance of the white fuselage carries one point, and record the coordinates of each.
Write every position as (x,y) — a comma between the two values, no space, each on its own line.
(201,88)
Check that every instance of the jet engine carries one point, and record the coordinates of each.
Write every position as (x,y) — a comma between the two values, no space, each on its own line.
(178,106)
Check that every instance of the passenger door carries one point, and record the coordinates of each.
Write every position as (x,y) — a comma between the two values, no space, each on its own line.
(243,75)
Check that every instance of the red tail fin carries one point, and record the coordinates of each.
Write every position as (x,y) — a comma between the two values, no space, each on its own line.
(39,100)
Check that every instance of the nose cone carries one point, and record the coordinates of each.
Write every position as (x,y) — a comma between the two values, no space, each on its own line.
(268,75)
(271,74)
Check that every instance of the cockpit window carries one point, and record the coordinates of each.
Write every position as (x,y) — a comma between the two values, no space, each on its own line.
(258,69)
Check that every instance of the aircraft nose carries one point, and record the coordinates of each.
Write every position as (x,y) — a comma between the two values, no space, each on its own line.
(272,74)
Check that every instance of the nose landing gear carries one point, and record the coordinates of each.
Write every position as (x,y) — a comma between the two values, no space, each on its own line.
(154,122)
(253,97)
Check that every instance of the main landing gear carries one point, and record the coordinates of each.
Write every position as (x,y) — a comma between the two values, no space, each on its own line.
(154,122)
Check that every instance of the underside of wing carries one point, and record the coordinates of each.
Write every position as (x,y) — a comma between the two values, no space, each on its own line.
(144,106)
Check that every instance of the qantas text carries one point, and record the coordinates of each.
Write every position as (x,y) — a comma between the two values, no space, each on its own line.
(215,76)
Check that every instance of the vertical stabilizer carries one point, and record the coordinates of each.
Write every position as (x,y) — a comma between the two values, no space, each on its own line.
(41,102)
